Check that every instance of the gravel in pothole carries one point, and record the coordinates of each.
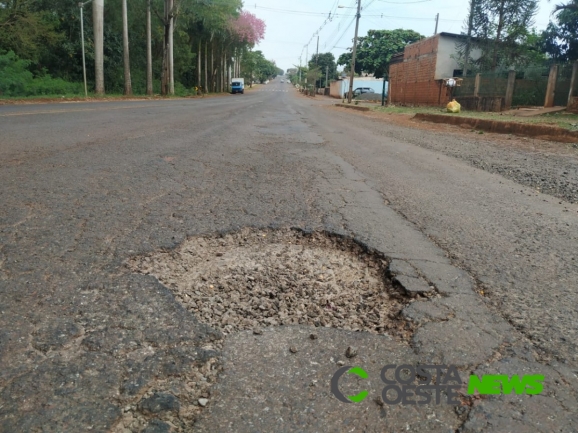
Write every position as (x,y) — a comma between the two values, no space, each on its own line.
(258,278)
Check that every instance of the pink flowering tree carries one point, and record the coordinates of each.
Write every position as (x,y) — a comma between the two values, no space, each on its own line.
(247,28)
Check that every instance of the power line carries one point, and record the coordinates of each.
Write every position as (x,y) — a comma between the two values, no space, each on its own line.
(373,15)
(334,34)
(332,13)
(343,34)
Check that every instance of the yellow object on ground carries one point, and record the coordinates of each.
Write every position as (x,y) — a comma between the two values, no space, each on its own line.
(454,107)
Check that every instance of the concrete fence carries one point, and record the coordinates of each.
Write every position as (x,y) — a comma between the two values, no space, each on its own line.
(535,86)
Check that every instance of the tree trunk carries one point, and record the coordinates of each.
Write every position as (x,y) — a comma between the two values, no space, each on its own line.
(126,56)
(469,38)
(206,66)
(98,27)
(171,48)
(165,65)
(219,76)
(498,36)
(213,83)
(164,72)
(222,70)
(229,77)
(199,54)
(149,52)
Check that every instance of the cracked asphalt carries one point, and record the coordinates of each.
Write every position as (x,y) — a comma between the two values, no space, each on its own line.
(88,345)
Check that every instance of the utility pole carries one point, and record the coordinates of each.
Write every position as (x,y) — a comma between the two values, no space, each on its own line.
(469,39)
(81,6)
(317,63)
(326,75)
(300,70)
(350,95)
(306,60)
(437,21)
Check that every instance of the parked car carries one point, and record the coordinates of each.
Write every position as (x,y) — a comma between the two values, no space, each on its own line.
(361,90)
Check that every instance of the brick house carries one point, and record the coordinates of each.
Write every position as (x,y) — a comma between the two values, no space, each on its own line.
(417,75)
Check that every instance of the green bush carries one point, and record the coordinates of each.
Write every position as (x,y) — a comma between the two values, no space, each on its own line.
(181,90)
(17,80)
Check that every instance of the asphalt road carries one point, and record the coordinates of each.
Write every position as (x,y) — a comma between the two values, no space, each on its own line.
(84,342)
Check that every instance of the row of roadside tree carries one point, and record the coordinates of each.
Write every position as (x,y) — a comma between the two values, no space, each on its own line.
(135,46)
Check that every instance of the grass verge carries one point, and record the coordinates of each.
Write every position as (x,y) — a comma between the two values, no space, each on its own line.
(561,119)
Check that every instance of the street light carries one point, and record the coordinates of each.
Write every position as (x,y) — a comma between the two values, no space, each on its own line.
(357,16)
(81,6)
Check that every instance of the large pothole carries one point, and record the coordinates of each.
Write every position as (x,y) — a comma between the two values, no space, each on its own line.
(258,278)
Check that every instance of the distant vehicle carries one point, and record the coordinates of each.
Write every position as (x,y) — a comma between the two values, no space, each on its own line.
(361,90)
(282,81)
(238,85)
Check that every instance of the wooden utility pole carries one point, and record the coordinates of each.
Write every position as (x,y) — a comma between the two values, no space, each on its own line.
(316,64)
(357,16)
(306,61)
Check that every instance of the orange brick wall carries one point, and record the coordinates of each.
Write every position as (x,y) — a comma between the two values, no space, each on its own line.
(412,81)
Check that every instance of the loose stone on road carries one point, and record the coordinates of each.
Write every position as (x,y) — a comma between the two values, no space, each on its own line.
(210,264)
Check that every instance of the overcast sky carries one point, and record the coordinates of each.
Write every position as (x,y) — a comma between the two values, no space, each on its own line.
(291,24)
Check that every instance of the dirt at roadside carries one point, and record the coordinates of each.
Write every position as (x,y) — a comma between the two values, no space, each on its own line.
(100,99)
(525,143)
(547,166)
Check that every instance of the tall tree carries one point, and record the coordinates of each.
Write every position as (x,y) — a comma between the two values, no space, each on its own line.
(468,46)
(572,5)
(171,8)
(126,57)
(149,66)
(375,50)
(325,62)
(499,30)
(45,33)
(26,30)
(560,39)
(98,29)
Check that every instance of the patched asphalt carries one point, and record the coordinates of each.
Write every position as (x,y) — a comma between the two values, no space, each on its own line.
(86,344)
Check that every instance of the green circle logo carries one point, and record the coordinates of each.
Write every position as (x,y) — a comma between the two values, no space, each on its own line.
(358,371)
